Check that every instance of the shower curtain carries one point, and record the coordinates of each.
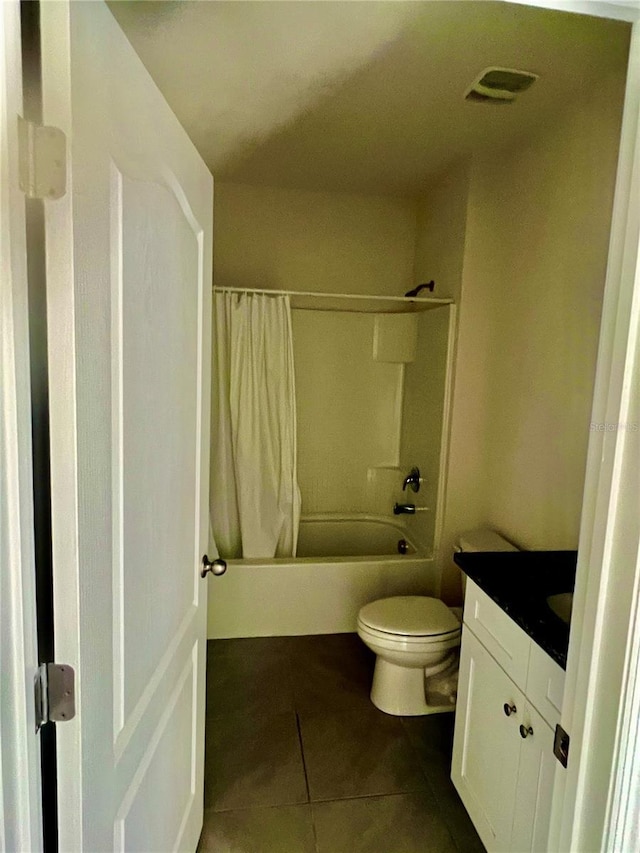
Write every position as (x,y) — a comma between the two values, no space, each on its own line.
(255,499)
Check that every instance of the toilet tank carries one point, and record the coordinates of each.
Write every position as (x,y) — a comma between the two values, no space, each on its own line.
(484,540)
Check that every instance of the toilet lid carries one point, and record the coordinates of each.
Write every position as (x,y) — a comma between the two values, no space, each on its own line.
(413,615)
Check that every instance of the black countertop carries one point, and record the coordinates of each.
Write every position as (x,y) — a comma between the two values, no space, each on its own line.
(519,582)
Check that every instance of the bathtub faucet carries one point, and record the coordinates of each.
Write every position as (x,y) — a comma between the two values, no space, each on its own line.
(399,509)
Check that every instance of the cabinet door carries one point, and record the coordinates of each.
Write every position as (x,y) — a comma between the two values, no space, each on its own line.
(535,785)
(486,744)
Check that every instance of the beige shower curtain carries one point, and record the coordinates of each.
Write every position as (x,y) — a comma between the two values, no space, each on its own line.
(255,499)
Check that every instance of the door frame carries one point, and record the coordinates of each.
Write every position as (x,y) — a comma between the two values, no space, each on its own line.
(20,785)
(596,802)
(601,791)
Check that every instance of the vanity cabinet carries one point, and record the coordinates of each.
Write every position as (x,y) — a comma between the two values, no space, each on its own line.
(509,698)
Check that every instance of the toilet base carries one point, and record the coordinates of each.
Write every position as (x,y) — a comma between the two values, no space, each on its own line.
(399,691)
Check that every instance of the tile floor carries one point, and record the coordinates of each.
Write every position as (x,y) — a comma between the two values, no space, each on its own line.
(298,760)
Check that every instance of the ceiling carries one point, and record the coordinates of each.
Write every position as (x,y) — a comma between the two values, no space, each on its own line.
(360,96)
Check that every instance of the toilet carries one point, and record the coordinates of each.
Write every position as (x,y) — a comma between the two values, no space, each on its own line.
(415,638)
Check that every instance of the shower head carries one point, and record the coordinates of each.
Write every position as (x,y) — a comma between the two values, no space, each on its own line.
(416,290)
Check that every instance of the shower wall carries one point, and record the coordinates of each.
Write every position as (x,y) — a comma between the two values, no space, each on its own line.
(349,409)
(424,417)
(371,393)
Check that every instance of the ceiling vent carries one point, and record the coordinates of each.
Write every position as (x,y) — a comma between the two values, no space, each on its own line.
(499,85)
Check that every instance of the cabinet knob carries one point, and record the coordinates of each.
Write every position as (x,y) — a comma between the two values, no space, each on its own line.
(525,731)
(509,709)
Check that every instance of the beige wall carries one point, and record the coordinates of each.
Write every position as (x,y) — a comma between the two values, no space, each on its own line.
(440,232)
(298,240)
(533,272)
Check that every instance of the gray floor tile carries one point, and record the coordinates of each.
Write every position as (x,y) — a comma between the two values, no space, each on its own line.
(253,760)
(252,675)
(282,829)
(257,646)
(431,735)
(332,672)
(358,754)
(254,770)
(404,823)
(436,764)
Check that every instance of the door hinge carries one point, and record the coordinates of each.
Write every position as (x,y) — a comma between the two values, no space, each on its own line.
(43,160)
(561,743)
(55,695)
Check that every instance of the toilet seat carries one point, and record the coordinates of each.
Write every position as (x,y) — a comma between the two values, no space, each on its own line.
(415,618)
(390,639)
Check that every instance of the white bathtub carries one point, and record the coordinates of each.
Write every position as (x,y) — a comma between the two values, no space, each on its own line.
(344,562)
(358,536)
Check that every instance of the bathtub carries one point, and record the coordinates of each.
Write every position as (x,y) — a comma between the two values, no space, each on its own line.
(343,563)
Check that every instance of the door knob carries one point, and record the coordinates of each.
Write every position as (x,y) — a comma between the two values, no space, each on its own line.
(509,709)
(525,731)
(216,567)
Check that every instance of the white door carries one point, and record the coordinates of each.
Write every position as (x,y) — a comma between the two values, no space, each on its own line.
(129,302)
(20,808)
